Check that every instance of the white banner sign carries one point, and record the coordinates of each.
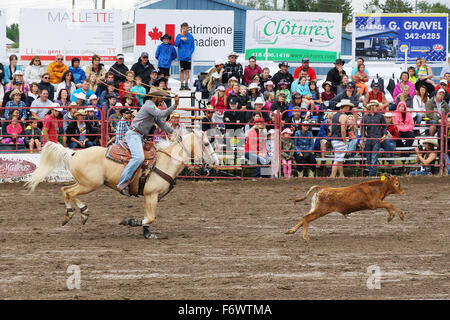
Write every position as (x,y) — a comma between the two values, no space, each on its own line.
(212,31)
(72,33)
(2,33)
(291,35)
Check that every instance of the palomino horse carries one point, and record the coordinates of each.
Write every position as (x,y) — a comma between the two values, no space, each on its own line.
(91,169)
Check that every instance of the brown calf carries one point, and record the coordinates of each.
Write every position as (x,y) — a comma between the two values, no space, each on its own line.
(363,196)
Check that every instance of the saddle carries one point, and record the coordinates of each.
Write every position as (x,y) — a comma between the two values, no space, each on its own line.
(121,153)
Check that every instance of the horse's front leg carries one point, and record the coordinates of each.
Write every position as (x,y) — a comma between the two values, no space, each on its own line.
(151,201)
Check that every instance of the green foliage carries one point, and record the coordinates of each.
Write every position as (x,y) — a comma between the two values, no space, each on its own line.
(12,32)
(425,7)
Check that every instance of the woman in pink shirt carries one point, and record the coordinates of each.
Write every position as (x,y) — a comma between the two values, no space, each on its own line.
(14,129)
(405,124)
(404,80)
(251,70)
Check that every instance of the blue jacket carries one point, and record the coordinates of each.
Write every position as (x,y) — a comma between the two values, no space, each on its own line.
(303,142)
(8,75)
(78,74)
(185,47)
(165,54)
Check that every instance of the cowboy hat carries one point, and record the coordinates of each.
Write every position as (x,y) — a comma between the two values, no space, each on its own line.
(388,114)
(373,103)
(431,141)
(233,78)
(13,93)
(284,63)
(174,115)
(92,97)
(79,112)
(157,92)
(80,95)
(208,108)
(233,54)
(259,100)
(253,86)
(159,80)
(89,109)
(345,102)
(219,62)
(339,61)
(165,36)
(287,130)
(220,88)
(268,83)
(56,106)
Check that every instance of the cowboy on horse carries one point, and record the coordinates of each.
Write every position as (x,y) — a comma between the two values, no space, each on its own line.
(148,115)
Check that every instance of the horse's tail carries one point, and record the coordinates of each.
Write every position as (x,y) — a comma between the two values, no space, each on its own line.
(307,194)
(52,155)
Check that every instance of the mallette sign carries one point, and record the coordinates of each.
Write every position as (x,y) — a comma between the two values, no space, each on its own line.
(213,37)
(11,168)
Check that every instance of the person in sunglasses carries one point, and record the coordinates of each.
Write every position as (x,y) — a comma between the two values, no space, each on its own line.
(45,84)
(56,70)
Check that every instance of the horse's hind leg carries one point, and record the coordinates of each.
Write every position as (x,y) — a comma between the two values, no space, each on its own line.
(79,190)
(69,210)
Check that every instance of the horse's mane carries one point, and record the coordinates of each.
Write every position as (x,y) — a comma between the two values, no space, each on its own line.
(165,143)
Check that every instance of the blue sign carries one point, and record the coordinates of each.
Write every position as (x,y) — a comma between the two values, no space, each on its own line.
(387,37)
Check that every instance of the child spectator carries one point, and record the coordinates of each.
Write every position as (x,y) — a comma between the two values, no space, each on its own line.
(412,75)
(115,117)
(139,91)
(363,78)
(270,96)
(14,129)
(186,45)
(110,91)
(78,74)
(268,88)
(255,147)
(231,83)
(129,78)
(127,85)
(315,94)
(174,123)
(33,136)
(94,86)
(34,71)
(244,99)
(165,54)
(327,94)
(419,102)
(127,100)
(219,103)
(287,153)
(234,92)
(283,87)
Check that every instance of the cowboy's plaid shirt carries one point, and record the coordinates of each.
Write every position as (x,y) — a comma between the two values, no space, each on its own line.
(122,128)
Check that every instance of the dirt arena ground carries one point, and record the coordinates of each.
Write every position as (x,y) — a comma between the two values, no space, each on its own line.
(225,240)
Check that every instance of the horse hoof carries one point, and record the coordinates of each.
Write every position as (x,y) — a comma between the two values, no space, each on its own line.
(124,222)
(148,235)
(66,219)
(84,219)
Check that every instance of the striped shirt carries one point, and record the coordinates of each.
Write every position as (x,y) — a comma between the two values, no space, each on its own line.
(122,128)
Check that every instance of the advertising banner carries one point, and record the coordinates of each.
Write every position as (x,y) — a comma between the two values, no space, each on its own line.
(2,33)
(213,36)
(291,36)
(389,37)
(72,33)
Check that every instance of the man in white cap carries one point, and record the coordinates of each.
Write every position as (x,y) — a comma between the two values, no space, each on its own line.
(445,85)
(339,136)
(51,123)
(119,69)
(39,107)
(233,68)
(141,126)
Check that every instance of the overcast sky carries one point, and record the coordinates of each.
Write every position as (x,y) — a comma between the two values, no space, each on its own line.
(127,6)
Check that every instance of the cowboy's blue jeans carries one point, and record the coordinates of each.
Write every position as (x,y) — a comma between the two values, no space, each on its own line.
(135,142)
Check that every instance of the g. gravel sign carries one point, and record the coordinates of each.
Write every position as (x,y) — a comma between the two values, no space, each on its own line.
(291,36)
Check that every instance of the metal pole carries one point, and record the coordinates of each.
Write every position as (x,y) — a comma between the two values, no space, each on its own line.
(73,4)
(103,4)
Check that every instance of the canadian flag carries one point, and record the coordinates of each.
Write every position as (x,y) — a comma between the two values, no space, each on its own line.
(154,33)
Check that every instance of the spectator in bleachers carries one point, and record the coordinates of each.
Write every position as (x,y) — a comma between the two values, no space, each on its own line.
(258,106)
(354,74)
(233,69)
(304,146)
(97,68)
(67,118)
(311,73)
(78,132)
(142,68)
(174,123)
(2,75)
(122,126)
(165,54)
(303,89)
(67,83)
(283,86)
(265,77)
(256,79)
(44,102)
(232,83)
(335,74)
(56,70)
(129,78)
(268,88)
(361,77)
(128,100)
(404,96)
(45,84)
(444,70)
(94,84)
(352,136)
(323,141)
(219,103)
(78,74)
(33,94)
(2,94)
(80,98)
(16,103)
(424,74)
(269,98)
(436,107)
(280,105)
(16,85)
(33,136)
(17,79)
(419,102)
(12,113)
(374,133)
(254,92)
(11,69)
(51,123)
(339,136)
(110,90)
(244,99)
(283,73)
(83,90)
(348,94)
(404,81)
(63,98)
(343,85)
(214,77)
(232,118)
(14,129)
(139,91)
(392,135)
(93,103)
(426,158)
(34,71)
(250,70)
(294,122)
(255,146)
(405,124)
(327,94)
(234,92)
(255,115)
(376,94)
(109,79)
(207,122)
(443,84)
(412,75)
(287,152)
(119,69)
(114,116)
(315,94)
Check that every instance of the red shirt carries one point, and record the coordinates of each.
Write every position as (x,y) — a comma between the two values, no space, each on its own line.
(51,124)
(310,71)
(447,88)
